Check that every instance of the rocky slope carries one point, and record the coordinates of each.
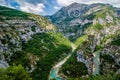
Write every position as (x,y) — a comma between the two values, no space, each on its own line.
(31,41)
(99,50)
(17,27)
(75,18)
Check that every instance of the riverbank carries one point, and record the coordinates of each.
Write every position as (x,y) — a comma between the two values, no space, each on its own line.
(54,71)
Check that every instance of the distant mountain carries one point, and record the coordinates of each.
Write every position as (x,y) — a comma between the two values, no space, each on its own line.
(73,19)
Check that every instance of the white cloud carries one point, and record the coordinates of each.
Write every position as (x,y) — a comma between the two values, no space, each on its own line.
(21,2)
(28,7)
(68,2)
(25,5)
(115,3)
(56,7)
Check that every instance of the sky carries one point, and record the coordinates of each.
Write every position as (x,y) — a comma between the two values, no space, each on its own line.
(49,7)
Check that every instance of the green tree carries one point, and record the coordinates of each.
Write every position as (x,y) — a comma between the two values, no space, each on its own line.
(14,73)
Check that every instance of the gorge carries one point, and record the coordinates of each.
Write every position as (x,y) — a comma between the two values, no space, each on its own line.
(79,42)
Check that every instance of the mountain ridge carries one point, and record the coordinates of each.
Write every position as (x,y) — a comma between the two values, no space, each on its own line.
(68,17)
(33,45)
(96,26)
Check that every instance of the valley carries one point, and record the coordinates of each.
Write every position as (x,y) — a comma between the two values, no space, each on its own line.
(79,42)
(54,71)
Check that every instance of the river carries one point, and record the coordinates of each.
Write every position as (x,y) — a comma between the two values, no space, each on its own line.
(54,71)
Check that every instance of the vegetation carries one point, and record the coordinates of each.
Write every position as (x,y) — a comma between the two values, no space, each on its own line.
(107,57)
(8,12)
(33,28)
(116,42)
(73,68)
(110,76)
(80,40)
(42,21)
(20,57)
(98,47)
(14,73)
(90,17)
(97,26)
(49,48)
(107,64)
(113,37)
(103,12)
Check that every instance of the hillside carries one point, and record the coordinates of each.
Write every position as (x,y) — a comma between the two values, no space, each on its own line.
(17,27)
(30,43)
(83,44)
(99,50)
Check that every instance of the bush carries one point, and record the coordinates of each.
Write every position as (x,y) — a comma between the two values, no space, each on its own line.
(14,73)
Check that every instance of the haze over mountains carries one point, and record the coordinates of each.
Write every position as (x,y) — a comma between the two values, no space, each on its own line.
(86,36)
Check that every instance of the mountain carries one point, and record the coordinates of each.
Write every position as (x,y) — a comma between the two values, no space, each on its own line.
(29,45)
(96,29)
(75,18)
(83,44)
(17,27)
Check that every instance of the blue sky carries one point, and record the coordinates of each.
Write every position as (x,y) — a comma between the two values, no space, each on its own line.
(48,7)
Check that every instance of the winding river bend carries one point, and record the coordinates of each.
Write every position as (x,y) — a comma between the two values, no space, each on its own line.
(55,69)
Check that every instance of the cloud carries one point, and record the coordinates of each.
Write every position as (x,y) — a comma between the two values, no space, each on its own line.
(56,7)
(68,2)
(49,6)
(115,3)
(28,7)
(31,6)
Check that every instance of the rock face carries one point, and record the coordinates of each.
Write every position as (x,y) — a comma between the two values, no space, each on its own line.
(31,41)
(16,28)
(75,18)
(98,41)
(98,24)
(101,24)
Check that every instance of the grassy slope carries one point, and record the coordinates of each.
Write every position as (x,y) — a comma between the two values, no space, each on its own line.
(80,40)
